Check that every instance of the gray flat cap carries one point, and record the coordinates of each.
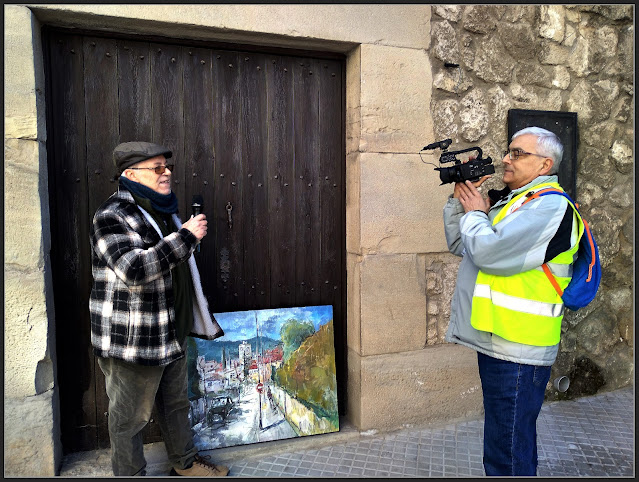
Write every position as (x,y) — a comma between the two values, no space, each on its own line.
(129,153)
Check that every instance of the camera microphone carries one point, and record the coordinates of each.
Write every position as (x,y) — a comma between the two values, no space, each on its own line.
(438,145)
(196,205)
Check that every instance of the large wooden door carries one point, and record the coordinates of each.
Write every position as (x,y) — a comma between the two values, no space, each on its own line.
(259,136)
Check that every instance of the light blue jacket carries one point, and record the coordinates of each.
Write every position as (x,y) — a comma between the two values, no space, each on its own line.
(517,244)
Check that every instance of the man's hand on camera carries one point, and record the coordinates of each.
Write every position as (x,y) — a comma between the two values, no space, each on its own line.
(476,184)
(470,198)
(197,225)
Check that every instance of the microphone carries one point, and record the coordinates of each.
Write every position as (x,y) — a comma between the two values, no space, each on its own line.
(438,145)
(196,205)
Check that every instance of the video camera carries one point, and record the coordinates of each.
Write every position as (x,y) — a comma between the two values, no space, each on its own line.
(472,170)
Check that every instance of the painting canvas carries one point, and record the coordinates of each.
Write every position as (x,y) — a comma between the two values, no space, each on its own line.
(270,377)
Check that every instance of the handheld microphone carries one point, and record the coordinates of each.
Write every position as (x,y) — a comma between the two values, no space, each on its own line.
(196,205)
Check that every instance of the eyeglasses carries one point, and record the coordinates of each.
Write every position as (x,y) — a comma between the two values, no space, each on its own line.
(157,169)
(516,153)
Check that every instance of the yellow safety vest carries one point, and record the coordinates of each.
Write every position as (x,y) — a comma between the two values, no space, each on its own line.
(525,307)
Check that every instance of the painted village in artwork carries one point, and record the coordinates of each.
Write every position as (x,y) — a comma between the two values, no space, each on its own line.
(270,377)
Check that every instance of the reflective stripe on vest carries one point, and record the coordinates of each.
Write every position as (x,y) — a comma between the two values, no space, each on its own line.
(523,308)
(522,305)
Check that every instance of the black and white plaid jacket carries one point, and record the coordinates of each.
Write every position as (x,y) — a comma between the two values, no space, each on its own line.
(131,303)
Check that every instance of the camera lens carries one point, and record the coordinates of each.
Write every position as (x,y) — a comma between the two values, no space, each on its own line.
(448,174)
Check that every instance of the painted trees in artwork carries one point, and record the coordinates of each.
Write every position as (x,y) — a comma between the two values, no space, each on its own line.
(293,333)
(309,372)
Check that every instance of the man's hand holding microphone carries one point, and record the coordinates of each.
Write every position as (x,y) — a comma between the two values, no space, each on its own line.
(197,224)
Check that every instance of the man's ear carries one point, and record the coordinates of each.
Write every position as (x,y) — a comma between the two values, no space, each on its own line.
(130,175)
(546,166)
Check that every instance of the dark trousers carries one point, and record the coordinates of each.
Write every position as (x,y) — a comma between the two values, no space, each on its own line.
(132,390)
(513,395)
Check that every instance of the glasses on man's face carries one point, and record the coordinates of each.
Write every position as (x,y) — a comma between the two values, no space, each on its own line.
(516,153)
(157,169)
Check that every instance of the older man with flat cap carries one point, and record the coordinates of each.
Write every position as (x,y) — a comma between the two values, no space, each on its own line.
(146,299)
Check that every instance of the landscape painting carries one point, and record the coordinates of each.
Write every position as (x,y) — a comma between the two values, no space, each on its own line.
(270,377)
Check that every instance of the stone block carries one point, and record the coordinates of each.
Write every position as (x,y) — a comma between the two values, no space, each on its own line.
(621,300)
(623,109)
(499,104)
(393,303)
(395,101)
(401,203)
(580,56)
(529,73)
(474,116)
(580,101)
(552,22)
(24,93)
(433,385)
(492,62)
(617,367)
(551,53)
(623,157)
(445,46)
(23,216)
(518,40)
(449,12)
(445,119)
(26,331)
(354,388)
(31,440)
(606,226)
(598,332)
(452,80)
(531,97)
(561,77)
(441,278)
(353,308)
(353,203)
(604,94)
(481,18)
(353,100)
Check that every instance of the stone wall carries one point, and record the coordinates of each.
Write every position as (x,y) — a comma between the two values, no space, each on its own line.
(576,58)
(31,435)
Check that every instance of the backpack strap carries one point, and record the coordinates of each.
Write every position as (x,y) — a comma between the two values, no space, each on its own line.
(592,249)
(552,279)
(575,206)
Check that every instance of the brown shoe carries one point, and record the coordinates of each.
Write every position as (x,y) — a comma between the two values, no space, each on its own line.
(202,468)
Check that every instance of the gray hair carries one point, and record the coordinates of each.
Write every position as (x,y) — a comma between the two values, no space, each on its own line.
(548,144)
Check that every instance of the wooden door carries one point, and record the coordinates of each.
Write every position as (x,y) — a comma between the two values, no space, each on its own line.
(260,136)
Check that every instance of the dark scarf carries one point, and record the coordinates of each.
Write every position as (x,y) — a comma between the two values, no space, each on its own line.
(495,196)
(162,203)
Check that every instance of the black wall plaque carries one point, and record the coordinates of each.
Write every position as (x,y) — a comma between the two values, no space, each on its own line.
(564,124)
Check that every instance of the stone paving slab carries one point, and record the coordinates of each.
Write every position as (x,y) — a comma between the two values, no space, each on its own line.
(588,437)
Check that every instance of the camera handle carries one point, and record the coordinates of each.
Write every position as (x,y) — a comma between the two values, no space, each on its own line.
(451,156)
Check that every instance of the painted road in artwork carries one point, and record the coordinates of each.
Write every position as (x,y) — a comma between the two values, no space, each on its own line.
(270,377)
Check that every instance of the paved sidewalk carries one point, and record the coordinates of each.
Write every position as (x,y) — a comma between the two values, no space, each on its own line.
(591,436)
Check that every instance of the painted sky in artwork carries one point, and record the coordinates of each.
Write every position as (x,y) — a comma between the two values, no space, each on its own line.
(240,325)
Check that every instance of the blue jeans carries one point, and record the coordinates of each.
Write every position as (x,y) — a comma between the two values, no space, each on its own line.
(513,395)
(132,390)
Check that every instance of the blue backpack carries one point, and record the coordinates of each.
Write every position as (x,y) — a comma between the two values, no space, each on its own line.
(586,274)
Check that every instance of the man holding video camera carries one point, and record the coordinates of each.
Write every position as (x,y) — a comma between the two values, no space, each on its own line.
(504,306)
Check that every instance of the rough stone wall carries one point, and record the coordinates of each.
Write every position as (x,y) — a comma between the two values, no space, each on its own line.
(576,58)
